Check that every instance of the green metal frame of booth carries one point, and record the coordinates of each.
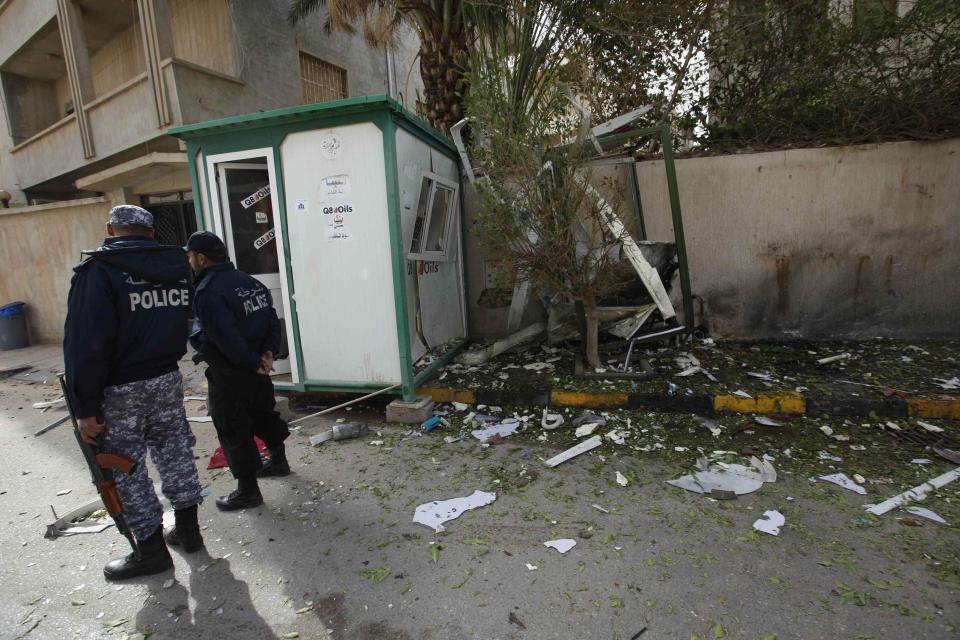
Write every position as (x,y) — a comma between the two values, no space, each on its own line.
(269,129)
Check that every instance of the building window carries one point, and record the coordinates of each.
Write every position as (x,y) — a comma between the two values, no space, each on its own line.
(321,81)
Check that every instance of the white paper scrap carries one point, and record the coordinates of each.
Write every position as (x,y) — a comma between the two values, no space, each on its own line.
(930,427)
(503,429)
(531,567)
(920,461)
(562,545)
(619,437)
(434,514)
(926,513)
(770,522)
(842,480)
(622,479)
(586,430)
(767,422)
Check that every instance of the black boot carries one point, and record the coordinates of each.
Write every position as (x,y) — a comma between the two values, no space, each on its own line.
(153,558)
(247,495)
(186,532)
(277,465)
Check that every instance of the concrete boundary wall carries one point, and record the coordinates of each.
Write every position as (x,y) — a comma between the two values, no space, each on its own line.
(837,242)
(39,246)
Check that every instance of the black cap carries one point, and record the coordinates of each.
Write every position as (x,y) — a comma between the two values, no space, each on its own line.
(206,243)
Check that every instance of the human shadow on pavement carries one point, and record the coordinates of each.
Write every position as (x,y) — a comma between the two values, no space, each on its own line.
(223,607)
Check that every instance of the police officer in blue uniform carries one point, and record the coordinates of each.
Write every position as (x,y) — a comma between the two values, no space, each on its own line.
(237,333)
(126,328)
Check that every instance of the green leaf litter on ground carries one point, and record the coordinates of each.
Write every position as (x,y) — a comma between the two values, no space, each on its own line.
(717,630)
(377,575)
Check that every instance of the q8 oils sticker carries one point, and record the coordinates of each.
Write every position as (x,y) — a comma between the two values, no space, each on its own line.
(255,197)
(264,239)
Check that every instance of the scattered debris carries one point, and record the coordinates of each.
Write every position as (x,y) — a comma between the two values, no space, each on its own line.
(503,430)
(712,425)
(87,518)
(823,455)
(583,447)
(460,406)
(767,422)
(836,358)
(219,459)
(948,454)
(770,522)
(562,545)
(917,493)
(617,436)
(622,479)
(551,420)
(513,619)
(742,394)
(55,423)
(721,477)
(920,461)
(531,567)
(64,492)
(480,356)
(953,384)
(599,508)
(589,418)
(827,431)
(842,480)
(766,377)
(930,427)
(926,513)
(434,514)
(586,430)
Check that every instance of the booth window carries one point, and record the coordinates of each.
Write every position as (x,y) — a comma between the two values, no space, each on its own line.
(436,208)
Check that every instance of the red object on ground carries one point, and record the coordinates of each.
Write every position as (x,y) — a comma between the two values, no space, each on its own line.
(219,459)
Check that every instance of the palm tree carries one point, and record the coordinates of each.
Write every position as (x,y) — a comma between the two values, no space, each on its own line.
(445,27)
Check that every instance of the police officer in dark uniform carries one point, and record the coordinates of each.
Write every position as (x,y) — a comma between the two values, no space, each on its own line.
(237,333)
(126,328)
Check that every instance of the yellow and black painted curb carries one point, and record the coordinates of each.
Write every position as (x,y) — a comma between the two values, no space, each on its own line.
(944,407)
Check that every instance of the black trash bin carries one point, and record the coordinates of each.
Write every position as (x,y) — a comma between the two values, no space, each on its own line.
(13,326)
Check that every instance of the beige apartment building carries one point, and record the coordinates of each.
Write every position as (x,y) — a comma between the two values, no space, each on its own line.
(90,87)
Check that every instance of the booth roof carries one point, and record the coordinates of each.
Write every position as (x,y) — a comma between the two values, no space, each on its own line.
(299,113)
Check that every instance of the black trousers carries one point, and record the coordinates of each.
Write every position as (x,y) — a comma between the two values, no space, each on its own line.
(242,405)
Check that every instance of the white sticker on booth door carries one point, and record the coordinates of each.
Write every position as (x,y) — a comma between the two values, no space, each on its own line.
(262,218)
(331,144)
(264,239)
(337,231)
(334,187)
(302,206)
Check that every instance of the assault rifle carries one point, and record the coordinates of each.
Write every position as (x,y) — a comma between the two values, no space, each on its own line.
(102,467)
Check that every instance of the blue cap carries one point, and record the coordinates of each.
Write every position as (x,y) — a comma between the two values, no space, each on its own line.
(205,242)
(131,214)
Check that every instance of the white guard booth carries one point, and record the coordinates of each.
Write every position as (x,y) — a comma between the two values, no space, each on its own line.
(350,213)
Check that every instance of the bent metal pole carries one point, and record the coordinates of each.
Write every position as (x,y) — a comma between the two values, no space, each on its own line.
(345,404)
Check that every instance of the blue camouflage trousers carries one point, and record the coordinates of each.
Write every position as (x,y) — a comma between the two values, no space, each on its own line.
(148,414)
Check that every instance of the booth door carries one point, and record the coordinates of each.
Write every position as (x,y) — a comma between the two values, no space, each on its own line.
(246,203)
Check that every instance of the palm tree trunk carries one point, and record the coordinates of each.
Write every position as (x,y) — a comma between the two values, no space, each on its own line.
(444,85)
(590,351)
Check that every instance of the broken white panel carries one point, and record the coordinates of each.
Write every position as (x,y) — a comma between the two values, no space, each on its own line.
(648,275)
(932,428)
(917,493)
(842,480)
(926,513)
(504,429)
(434,514)
(770,522)
(460,406)
(921,461)
(742,394)
(562,545)
(518,303)
(731,477)
(573,452)
(622,479)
